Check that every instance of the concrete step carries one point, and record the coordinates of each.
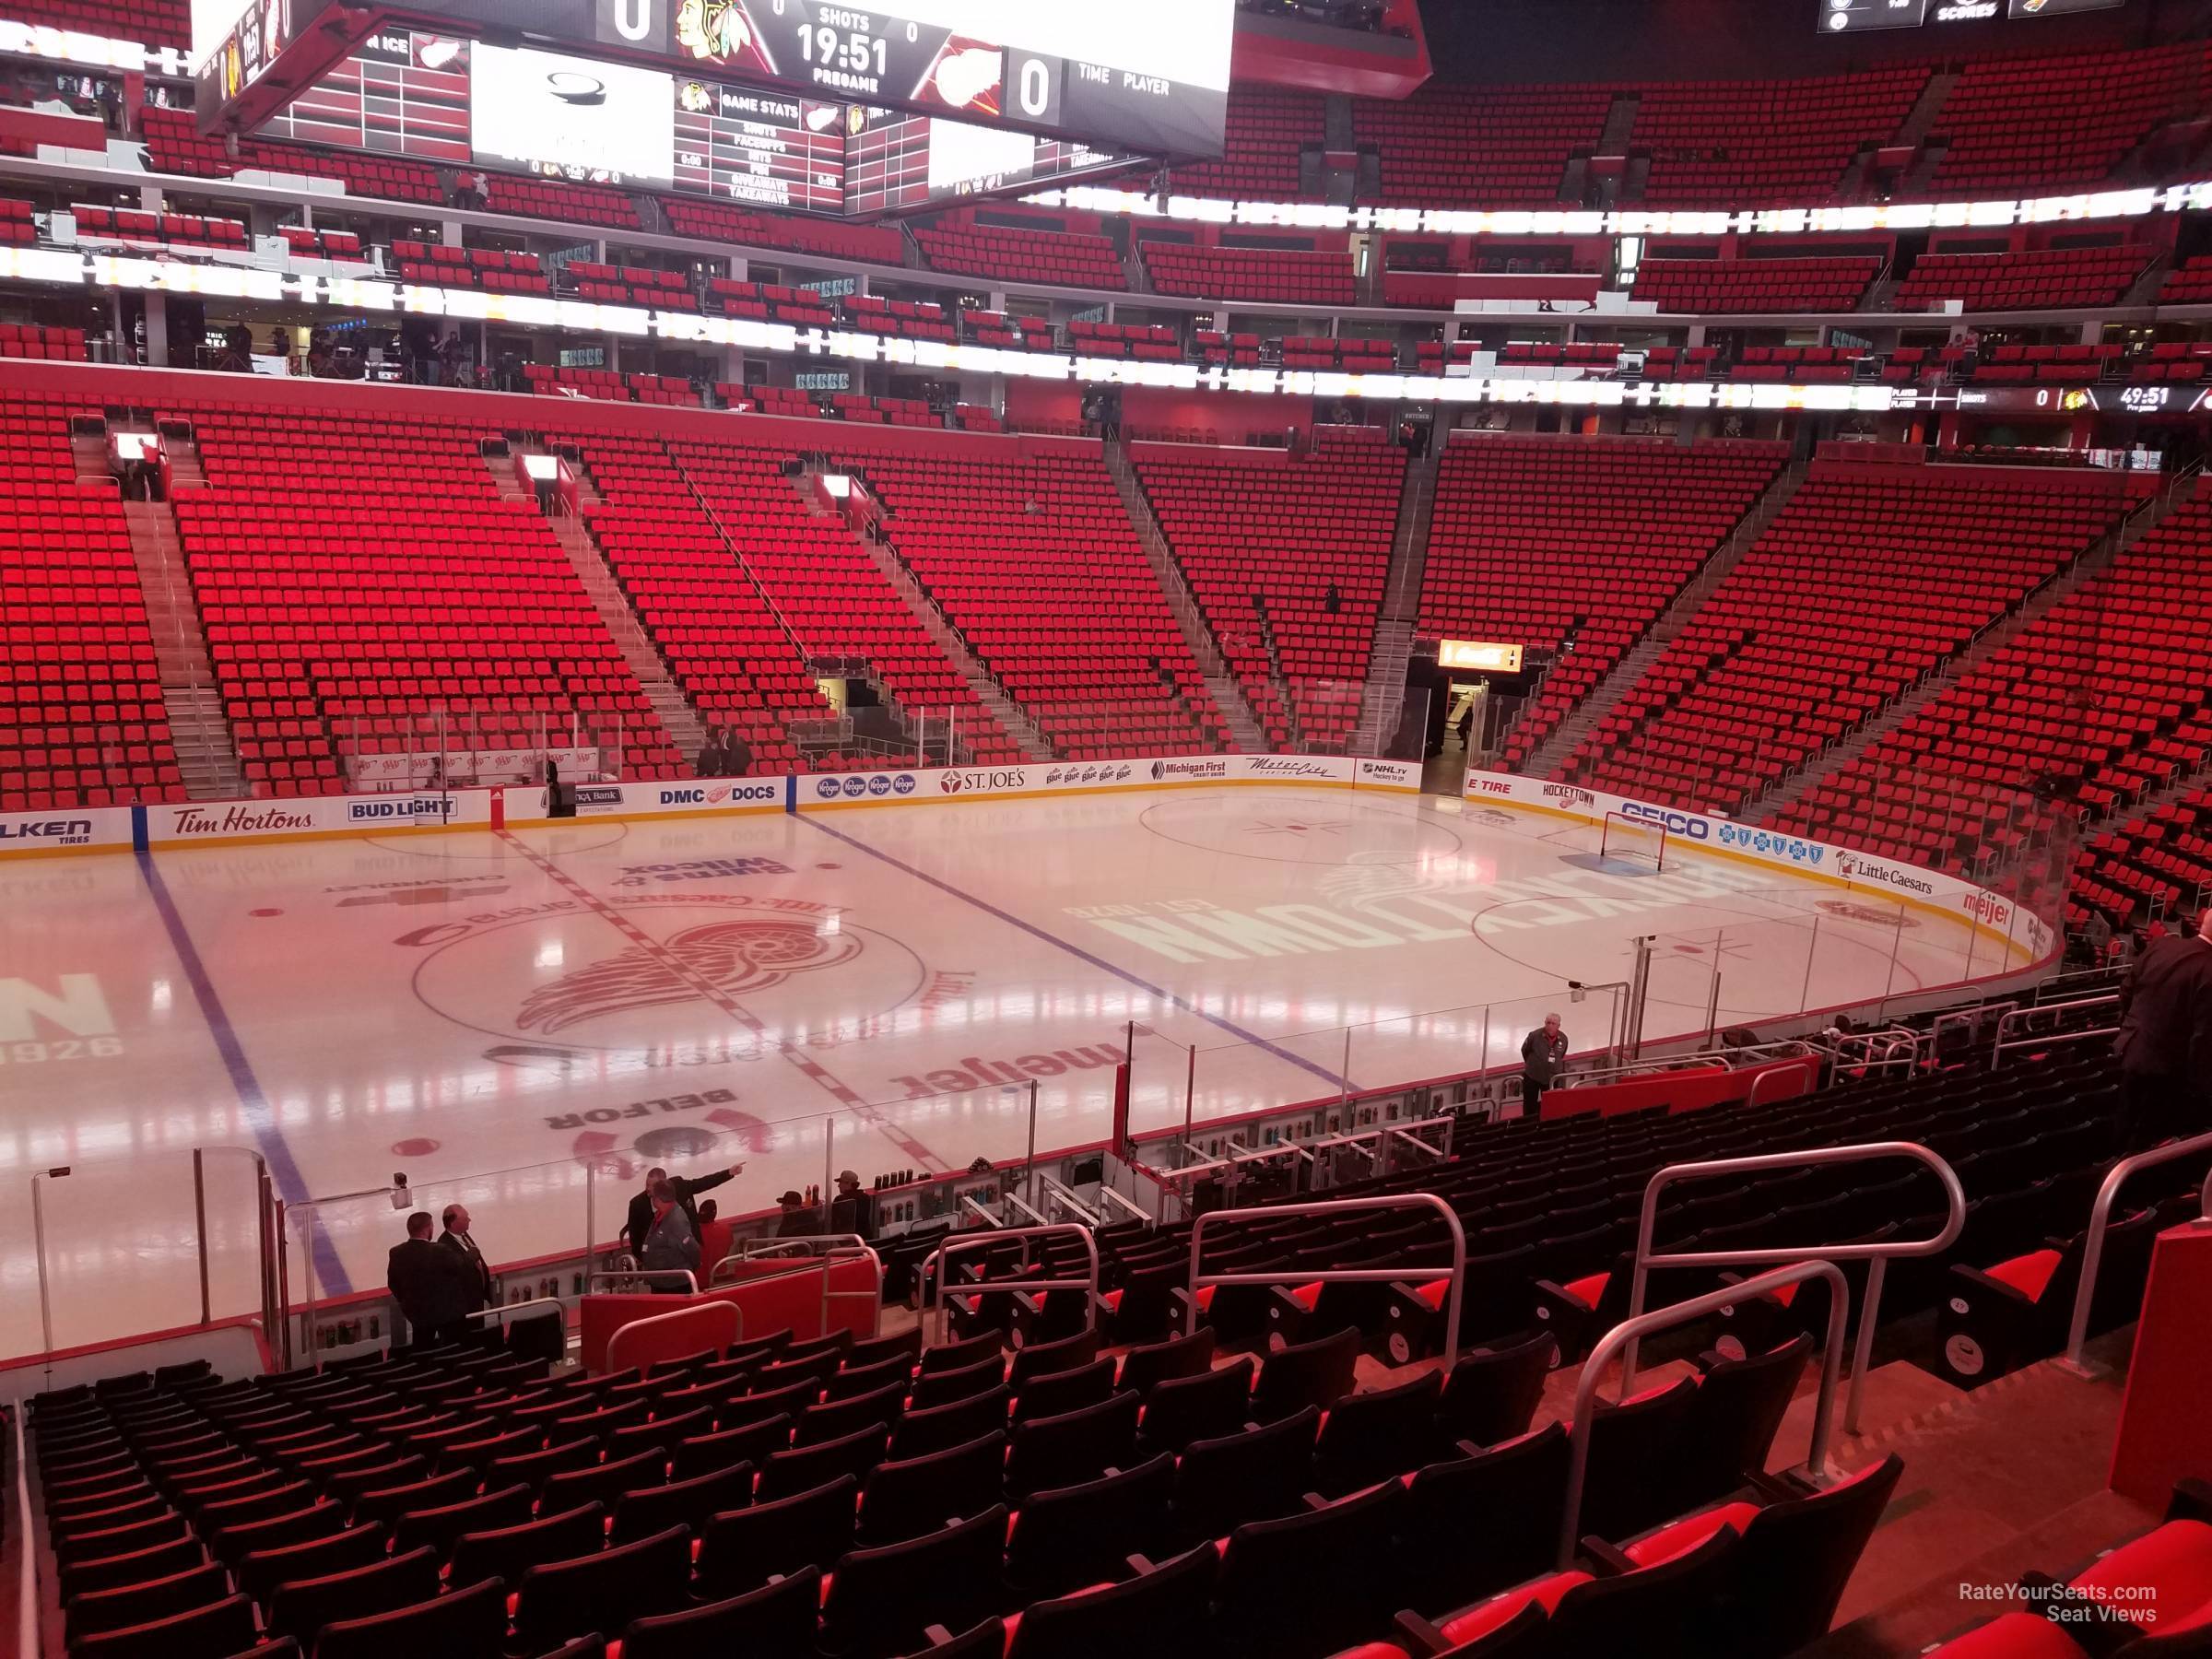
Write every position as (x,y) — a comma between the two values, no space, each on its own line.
(1566,737)
(1383,694)
(684,727)
(1235,708)
(1010,716)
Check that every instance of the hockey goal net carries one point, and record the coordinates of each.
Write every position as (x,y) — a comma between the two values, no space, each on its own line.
(1630,841)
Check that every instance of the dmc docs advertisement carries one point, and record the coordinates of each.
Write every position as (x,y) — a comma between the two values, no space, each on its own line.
(672,797)
(2027,931)
(548,112)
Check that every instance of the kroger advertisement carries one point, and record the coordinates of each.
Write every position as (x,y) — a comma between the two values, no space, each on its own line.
(2029,934)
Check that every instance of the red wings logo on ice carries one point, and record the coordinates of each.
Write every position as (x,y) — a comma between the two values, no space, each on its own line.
(724,959)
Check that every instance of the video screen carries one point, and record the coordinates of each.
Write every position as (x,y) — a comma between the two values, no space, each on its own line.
(574,116)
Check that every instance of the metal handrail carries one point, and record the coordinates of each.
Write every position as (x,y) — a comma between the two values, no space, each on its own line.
(1457,1271)
(27,1567)
(837,1247)
(2005,1025)
(1969,1017)
(1876,1254)
(933,1269)
(1401,1132)
(690,1279)
(1016,1201)
(1136,1211)
(1633,1330)
(2101,1220)
(711,1309)
(970,1201)
(1054,1193)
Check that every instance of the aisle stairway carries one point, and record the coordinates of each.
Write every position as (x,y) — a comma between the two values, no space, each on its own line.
(198,727)
(1384,696)
(1546,758)
(1228,695)
(1009,714)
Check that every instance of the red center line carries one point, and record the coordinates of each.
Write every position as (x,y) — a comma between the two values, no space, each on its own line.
(807,1062)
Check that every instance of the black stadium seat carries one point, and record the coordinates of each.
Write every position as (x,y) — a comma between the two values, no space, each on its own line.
(466,1622)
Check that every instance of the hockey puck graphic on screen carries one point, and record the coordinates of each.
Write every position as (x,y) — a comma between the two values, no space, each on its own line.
(573,89)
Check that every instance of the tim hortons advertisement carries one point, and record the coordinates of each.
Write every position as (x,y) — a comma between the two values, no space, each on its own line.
(198,823)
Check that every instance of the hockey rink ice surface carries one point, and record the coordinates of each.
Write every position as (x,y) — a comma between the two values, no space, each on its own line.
(508,1006)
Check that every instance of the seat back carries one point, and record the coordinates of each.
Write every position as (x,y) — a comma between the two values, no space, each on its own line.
(1370,1437)
(786,1474)
(1255,1476)
(1162,1612)
(1491,1394)
(213,1632)
(753,1443)
(906,1498)
(773,1621)
(1048,1359)
(506,1553)
(469,1620)
(1473,1525)
(960,1355)
(1069,1537)
(1201,1406)
(741,1549)
(1733,1421)
(1317,1374)
(1664,1612)
(1634,1449)
(1072,1448)
(1069,1388)
(1158,1361)
(259,1574)
(935,1428)
(440,1527)
(1796,1556)
(302,1606)
(944,1386)
(1346,1546)
(562,1600)
(883,1601)
(641,1512)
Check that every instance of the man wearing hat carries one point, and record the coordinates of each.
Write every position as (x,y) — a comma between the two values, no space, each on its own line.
(851,1211)
(798,1220)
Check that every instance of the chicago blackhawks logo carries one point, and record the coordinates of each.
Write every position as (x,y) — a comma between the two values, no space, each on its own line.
(731,958)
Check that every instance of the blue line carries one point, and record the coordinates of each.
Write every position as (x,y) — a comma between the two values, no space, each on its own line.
(1077,951)
(260,1115)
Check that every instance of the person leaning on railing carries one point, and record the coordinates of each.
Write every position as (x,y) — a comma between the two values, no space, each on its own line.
(2165,1042)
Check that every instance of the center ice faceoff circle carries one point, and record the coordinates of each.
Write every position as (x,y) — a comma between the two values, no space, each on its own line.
(1303,830)
(720,974)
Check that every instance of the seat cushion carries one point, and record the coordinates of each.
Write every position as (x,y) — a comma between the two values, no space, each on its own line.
(1587,1290)
(2028,1274)
(2015,1636)
(2162,1579)
(1501,1610)
(1685,1535)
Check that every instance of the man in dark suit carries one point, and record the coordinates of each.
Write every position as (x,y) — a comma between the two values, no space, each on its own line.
(476,1288)
(2165,1042)
(684,1189)
(426,1282)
